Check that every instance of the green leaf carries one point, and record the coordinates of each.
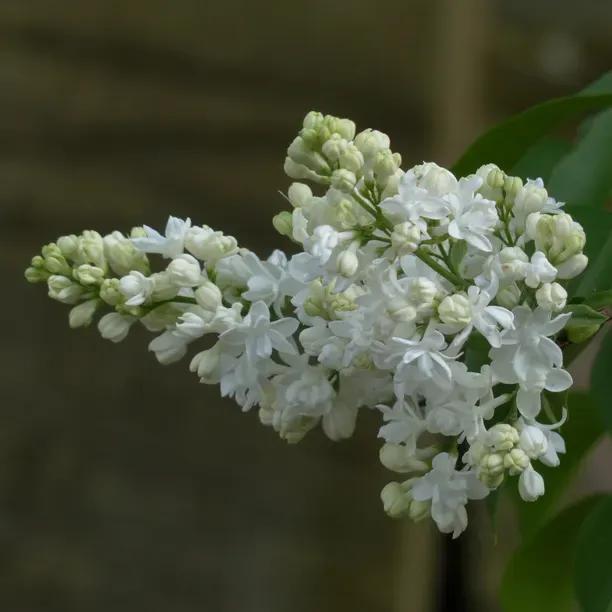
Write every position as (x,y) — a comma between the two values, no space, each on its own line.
(540,160)
(597,225)
(585,315)
(507,142)
(601,299)
(585,322)
(582,429)
(593,573)
(539,575)
(584,176)
(601,381)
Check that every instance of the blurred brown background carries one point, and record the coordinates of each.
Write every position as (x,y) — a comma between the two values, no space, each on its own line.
(125,486)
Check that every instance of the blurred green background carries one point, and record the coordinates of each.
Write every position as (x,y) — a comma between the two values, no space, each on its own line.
(125,486)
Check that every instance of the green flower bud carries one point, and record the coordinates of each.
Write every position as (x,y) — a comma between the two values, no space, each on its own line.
(88,275)
(283,223)
(109,291)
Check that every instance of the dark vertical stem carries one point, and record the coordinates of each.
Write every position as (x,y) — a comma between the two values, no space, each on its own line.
(452,592)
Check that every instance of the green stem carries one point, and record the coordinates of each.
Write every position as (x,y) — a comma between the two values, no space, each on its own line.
(426,257)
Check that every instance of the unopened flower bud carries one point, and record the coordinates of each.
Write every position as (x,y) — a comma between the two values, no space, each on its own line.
(351,159)
(206,363)
(533,441)
(369,142)
(343,180)
(114,326)
(386,164)
(334,147)
(401,310)
(405,238)
(110,291)
(551,297)
(531,485)
(347,263)
(283,223)
(64,290)
(302,154)
(89,275)
(208,296)
(36,275)
(493,181)
(512,186)
(299,194)
(343,127)
(422,292)
(68,245)
(123,256)
(398,458)
(455,310)
(396,500)
(91,245)
(509,296)
(184,271)
(512,263)
(572,267)
(491,469)
(502,437)
(313,120)
(515,461)
(437,180)
(532,197)
(299,171)
(81,315)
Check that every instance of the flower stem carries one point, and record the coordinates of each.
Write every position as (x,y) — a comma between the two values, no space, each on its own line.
(426,257)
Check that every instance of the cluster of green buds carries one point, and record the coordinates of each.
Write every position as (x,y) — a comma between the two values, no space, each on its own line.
(500,453)
(83,271)
(328,152)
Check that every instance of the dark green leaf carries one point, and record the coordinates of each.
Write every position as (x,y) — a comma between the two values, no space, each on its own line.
(507,142)
(598,227)
(585,322)
(539,575)
(593,566)
(540,159)
(584,176)
(601,299)
(601,381)
(580,432)
(585,315)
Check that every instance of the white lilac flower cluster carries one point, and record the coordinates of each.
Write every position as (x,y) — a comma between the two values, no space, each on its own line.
(402,278)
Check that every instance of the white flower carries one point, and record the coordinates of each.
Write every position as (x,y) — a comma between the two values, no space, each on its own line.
(413,203)
(403,425)
(539,270)
(473,218)
(171,244)
(417,360)
(303,389)
(259,335)
(449,491)
(136,288)
(114,326)
(533,441)
(530,358)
